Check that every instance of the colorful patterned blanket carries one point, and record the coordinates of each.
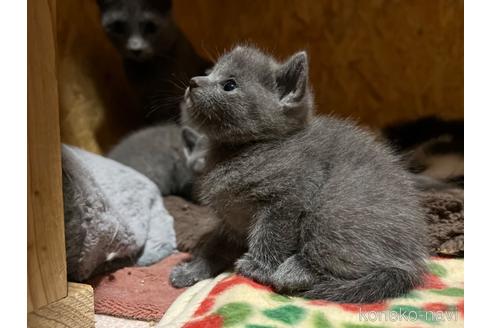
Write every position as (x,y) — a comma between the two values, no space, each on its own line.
(231,300)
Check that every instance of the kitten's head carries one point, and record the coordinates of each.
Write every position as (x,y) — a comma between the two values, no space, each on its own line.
(139,29)
(195,149)
(249,96)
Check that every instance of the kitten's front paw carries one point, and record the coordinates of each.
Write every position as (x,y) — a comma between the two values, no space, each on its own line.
(187,274)
(252,268)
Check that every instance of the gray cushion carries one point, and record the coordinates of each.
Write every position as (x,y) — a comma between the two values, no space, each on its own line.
(114,215)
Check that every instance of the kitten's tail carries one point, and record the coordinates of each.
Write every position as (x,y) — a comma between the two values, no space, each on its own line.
(377,285)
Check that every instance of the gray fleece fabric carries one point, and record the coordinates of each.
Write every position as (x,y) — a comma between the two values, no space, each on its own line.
(114,216)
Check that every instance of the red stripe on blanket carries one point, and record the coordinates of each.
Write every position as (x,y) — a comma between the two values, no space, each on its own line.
(356,308)
(236,280)
(205,306)
(225,284)
(432,282)
(210,321)
(461,307)
(435,307)
(320,302)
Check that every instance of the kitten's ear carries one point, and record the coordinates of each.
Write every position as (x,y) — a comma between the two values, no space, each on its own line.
(292,79)
(190,139)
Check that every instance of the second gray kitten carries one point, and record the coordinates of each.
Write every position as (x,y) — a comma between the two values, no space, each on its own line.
(167,154)
(310,205)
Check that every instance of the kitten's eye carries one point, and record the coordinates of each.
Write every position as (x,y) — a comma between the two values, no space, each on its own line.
(149,28)
(230,85)
(117,27)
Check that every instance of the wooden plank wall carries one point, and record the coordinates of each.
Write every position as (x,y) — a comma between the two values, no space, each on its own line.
(377,61)
(46,267)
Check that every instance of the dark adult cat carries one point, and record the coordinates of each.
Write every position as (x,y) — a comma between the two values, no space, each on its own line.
(157,56)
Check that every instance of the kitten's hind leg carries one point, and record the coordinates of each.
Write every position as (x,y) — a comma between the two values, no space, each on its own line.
(272,239)
(293,275)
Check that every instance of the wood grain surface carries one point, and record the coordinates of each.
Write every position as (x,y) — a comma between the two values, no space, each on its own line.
(74,311)
(377,61)
(47,281)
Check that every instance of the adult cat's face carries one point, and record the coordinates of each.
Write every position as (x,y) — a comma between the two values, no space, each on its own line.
(249,96)
(139,29)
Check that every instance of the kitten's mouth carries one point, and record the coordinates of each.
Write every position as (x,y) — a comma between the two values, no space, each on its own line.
(187,97)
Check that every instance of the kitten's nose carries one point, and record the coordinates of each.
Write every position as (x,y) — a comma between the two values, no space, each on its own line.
(198,81)
(193,83)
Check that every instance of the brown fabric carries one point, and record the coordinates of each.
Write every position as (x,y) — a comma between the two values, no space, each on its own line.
(445,218)
(141,293)
(191,221)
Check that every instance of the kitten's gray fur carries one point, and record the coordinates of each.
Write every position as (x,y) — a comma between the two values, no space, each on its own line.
(323,210)
(166,154)
(157,56)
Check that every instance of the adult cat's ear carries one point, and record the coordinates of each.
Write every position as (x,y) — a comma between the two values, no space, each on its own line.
(292,78)
(190,138)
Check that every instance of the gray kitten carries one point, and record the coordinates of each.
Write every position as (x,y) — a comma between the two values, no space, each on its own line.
(168,155)
(157,56)
(321,209)
(195,149)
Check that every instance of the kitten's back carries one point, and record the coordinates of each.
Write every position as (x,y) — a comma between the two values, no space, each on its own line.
(155,152)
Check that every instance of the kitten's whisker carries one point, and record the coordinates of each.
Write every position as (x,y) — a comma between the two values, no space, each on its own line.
(155,106)
(172,80)
(184,84)
(208,53)
(151,112)
(217,52)
(179,87)
(166,97)
(180,82)
(165,94)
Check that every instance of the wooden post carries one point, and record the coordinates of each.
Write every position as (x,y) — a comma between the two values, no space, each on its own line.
(74,311)
(47,274)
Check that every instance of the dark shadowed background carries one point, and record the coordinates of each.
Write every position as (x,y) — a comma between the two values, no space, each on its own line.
(377,61)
